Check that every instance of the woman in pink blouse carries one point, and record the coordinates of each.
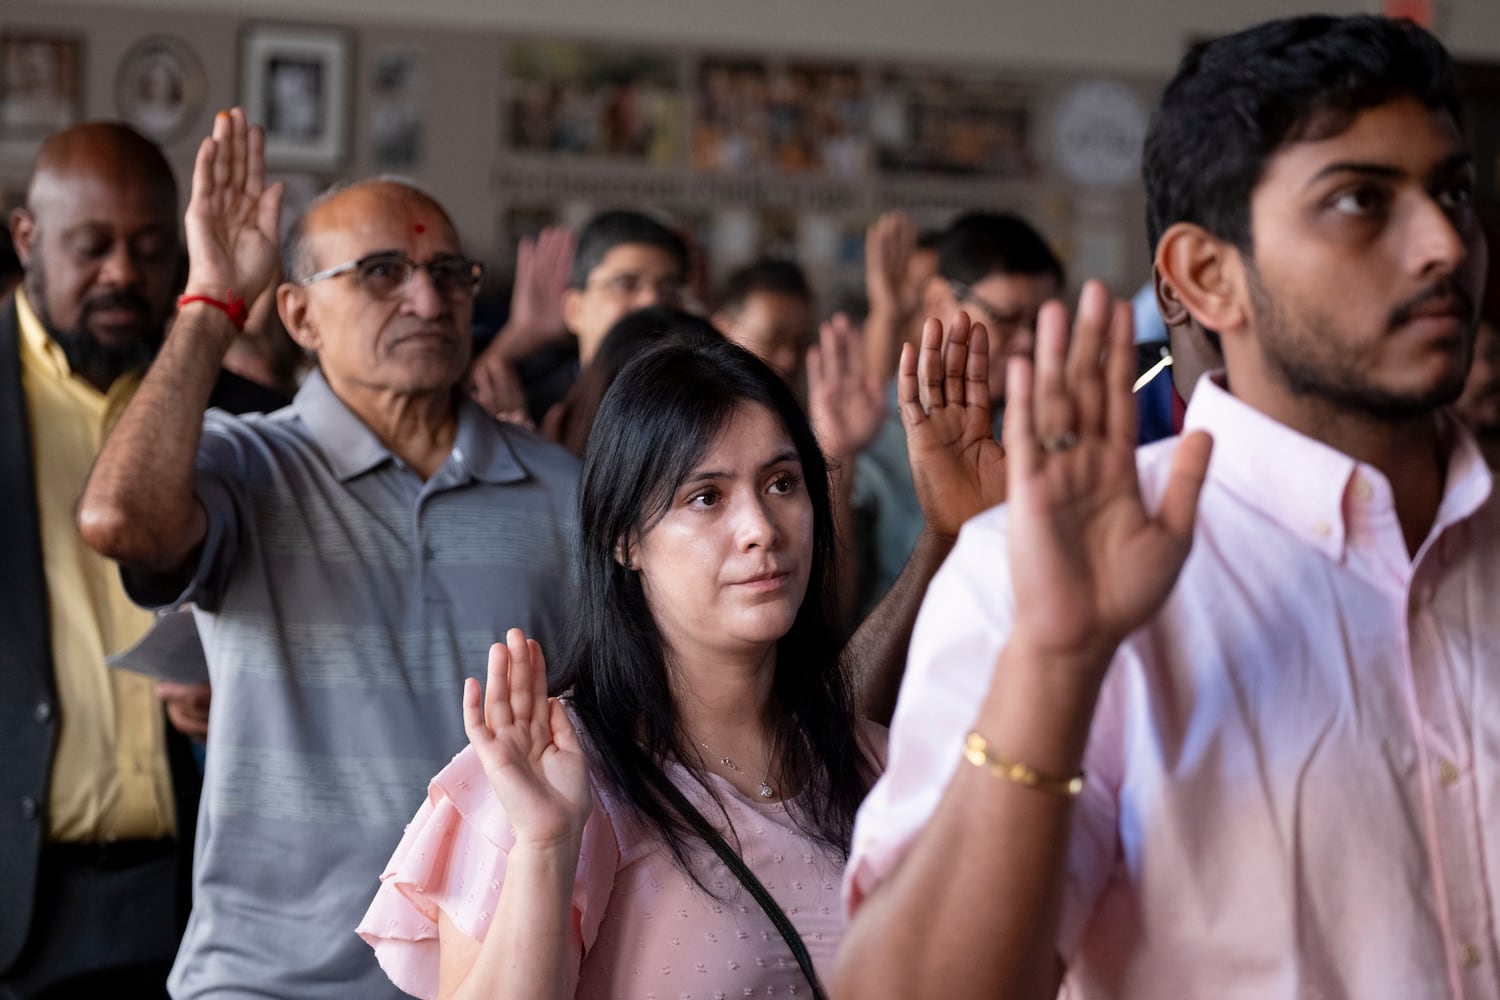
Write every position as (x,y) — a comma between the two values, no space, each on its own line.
(548,859)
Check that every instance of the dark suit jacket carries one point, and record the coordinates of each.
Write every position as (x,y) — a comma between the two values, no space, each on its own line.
(29,713)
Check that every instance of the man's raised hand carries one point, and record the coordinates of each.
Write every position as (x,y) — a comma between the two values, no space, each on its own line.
(1089,562)
(232,216)
(957,466)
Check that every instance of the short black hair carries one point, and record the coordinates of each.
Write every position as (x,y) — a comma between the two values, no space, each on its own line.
(1238,99)
(978,245)
(619,227)
(768,274)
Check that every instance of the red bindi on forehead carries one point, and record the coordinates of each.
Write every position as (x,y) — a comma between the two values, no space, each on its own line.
(419,229)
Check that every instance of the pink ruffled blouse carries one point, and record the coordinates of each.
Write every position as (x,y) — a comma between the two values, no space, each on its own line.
(648,932)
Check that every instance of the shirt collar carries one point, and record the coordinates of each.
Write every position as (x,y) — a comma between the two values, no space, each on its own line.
(480,450)
(1304,484)
(44,350)
(350,446)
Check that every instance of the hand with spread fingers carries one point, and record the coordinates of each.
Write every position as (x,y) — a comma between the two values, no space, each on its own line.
(527,746)
(844,399)
(1090,562)
(957,466)
(231,225)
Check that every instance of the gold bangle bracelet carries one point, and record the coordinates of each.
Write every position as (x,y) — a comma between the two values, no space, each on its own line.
(977,751)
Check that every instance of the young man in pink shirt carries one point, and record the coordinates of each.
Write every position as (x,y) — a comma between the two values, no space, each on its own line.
(1228,729)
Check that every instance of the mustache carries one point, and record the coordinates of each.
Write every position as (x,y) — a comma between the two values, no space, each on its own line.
(122,299)
(1462,297)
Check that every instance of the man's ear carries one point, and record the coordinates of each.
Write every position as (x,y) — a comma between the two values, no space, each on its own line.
(23,234)
(572,307)
(1201,274)
(1173,312)
(292,304)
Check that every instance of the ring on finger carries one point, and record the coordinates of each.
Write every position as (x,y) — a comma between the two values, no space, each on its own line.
(1065,441)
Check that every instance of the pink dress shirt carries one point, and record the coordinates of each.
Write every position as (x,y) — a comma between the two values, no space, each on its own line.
(648,933)
(1291,768)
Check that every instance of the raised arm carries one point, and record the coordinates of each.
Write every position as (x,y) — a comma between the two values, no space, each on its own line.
(538,772)
(890,243)
(846,407)
(958,469)
(1090,564)
(138,507)
(536,320)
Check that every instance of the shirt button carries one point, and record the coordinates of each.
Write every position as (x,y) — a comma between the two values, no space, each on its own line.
(1447,772)
(29,808)
(1362,490)
(1471,955)
(427,552)
(1322,529)
(42,713)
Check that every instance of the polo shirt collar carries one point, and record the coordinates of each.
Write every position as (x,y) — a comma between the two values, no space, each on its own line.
(1303,484)
(350,447)
(480,450)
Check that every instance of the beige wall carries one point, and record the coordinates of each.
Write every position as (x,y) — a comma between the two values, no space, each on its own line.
(1119,35)
(1053,42)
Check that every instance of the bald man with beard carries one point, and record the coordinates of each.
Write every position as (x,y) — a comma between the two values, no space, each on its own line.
(92,810)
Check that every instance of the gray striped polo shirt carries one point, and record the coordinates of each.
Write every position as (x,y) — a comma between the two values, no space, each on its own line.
(341,602)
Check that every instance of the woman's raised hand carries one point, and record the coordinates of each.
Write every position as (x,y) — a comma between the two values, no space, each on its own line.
(527,745)
(1090,563)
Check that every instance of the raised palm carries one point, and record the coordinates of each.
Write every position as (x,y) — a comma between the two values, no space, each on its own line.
(232,217)
(1090,563)
(957,466)
(527,746)
(844,399)
(890,243)
(543,267)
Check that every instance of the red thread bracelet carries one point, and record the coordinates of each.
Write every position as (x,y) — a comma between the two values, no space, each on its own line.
(233,307)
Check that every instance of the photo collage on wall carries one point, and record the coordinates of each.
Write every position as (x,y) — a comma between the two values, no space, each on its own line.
(748,154)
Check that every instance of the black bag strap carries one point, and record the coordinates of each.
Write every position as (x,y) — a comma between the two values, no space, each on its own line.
(742,872)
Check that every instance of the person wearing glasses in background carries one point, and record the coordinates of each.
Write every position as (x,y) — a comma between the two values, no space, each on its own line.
(346,556)
(997,270)
(567,297)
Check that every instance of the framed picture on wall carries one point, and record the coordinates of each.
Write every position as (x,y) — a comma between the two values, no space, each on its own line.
(41,84)
(294,81)
(161,87)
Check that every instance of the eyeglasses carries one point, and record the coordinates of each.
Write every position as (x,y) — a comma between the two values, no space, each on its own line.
(630,284)
(999,320)
(383,275)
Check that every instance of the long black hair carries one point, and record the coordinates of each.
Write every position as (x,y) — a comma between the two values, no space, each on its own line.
(632,333)
(658,420)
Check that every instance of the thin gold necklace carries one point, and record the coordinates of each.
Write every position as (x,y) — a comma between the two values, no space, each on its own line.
(766,791)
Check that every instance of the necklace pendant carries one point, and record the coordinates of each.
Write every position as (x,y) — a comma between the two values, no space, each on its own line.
(766,791)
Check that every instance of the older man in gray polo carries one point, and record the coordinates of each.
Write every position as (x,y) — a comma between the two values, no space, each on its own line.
(350,558)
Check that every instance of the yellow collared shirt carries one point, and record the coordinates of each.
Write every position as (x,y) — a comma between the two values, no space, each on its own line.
(110,779)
